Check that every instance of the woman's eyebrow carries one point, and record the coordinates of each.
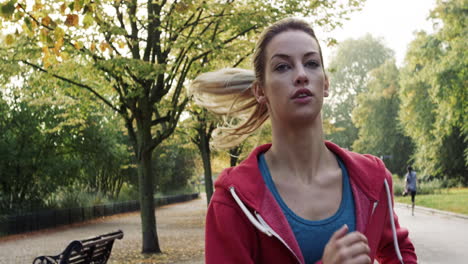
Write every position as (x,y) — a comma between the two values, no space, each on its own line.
(285,56)
(281,56)
(311,53)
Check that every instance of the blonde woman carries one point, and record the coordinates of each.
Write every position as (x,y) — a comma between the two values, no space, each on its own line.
(300,199)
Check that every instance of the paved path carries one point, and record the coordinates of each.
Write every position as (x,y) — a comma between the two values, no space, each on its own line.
(438,238)
(180,230)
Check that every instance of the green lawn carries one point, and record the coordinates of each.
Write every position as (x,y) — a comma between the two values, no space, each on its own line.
(453,200)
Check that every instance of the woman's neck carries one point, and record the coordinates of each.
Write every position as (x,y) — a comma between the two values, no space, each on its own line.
(299,152)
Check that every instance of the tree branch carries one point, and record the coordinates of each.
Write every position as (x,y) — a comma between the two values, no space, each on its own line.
(74,83)
(133,22)
(160,120)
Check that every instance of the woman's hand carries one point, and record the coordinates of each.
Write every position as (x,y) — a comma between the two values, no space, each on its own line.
(343,248)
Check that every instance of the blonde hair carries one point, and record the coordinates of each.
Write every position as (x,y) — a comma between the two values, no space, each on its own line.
(228,92)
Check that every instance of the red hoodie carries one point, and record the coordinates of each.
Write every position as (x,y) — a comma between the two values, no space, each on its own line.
(245,224)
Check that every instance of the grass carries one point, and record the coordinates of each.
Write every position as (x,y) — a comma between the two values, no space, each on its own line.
(453,200)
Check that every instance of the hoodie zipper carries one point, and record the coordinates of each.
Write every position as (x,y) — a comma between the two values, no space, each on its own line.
(259,223)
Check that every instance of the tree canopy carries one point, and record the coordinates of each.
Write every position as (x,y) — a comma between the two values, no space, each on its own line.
(434,109)
(348,73)
(376,117)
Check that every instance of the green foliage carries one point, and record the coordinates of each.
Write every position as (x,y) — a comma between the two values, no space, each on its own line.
(32,162)
(73,196)
(128,192)
(348,74)
(52,142)
(376,117)
(174,164)
(424,187)
(433,95)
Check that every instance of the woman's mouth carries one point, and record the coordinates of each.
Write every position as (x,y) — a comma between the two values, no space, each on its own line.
(302,96)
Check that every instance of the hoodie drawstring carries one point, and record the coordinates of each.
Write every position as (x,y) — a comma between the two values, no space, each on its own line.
(249,215)
(260,224)
(266,229)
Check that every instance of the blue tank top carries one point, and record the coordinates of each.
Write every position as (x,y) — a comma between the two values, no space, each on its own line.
(312,236)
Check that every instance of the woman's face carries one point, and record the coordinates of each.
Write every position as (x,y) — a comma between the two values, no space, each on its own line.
(295,82)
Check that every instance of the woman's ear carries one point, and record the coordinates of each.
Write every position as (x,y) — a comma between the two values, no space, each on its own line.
(257,89)
(326,87)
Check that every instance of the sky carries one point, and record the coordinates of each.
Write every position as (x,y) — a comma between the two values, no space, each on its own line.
(393,20)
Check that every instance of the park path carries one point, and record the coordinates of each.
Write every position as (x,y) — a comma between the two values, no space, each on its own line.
(180,230)
(438,238)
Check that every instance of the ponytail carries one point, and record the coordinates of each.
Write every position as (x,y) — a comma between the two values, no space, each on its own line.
(228,93)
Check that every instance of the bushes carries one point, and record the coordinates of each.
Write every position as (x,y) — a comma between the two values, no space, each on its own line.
(174,164)
(75,196)
(424,187)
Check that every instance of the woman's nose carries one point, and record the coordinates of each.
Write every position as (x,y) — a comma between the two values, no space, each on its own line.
(301,77)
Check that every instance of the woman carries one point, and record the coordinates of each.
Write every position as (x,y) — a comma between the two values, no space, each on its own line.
(411,185)
(300,199)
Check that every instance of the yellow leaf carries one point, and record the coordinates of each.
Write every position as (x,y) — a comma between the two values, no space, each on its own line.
(58,45)
(59,33)
(56,51)
(103,46)
(64,55)
(78,5)
(38,6)
(43,35)
(46,21)
(45,51)
(63,7)
(45,57)
(33,24)
(9,39)
(121,44)
(78,45)
(72,20)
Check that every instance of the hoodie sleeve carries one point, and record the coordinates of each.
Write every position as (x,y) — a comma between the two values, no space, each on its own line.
(228,238)
(386,251)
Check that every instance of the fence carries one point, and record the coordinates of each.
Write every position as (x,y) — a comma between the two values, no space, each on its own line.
(33,221)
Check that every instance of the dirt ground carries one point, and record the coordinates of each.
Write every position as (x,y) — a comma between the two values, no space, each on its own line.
(180,230)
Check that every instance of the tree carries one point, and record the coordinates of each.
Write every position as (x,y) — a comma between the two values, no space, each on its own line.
(376,117)
(202,126)
(135,56)
(433,94)
(53,141)
(348,73)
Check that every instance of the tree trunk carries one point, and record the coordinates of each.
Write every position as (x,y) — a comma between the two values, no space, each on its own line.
(234,154)
(146,188)
(148,218)
(206,157)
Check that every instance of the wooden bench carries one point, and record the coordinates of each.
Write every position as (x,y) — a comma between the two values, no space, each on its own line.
(92,250)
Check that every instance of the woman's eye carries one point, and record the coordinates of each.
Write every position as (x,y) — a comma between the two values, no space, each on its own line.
(312,64)
(281,67)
